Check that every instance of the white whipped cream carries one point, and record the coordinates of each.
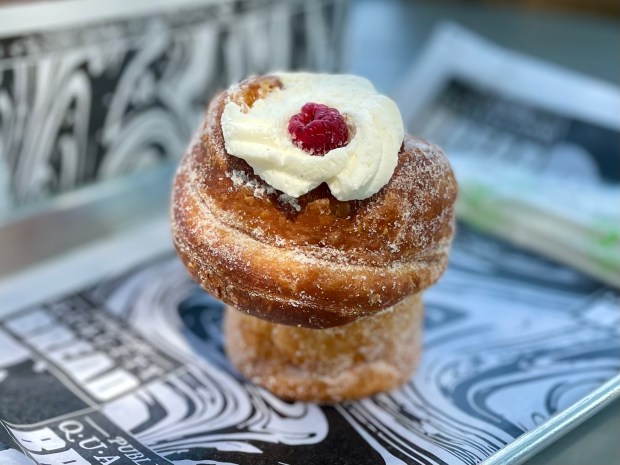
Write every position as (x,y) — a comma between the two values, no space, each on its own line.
(355,171)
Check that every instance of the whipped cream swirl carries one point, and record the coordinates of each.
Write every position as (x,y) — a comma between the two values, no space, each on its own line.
(353,172)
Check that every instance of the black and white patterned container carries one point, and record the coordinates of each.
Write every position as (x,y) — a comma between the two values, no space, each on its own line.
(90,90)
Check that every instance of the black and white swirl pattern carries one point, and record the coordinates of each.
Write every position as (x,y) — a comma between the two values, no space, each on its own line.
(510,340)
(205,404)
(79,105)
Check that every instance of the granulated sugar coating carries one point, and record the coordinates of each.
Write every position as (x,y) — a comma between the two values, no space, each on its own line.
(313,261)
(356,360)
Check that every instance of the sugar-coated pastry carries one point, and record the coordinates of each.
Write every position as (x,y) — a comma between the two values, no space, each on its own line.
(303,203)
(368,356)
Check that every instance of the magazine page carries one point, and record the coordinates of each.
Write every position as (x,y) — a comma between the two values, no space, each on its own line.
(535,148)
(130,369)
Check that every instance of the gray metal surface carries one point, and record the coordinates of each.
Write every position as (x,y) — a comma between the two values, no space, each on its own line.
(581,42)
(72,220)
(529,444)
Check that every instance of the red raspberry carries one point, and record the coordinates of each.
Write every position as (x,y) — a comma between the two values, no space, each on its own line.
(317,129)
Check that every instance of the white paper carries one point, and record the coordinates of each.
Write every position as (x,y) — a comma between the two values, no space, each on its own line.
(133,362)
(535,148)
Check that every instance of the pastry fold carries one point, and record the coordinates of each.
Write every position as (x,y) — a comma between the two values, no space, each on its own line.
(311,261)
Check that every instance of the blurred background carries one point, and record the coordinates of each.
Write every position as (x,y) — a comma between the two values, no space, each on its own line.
(92,90)
(99,99)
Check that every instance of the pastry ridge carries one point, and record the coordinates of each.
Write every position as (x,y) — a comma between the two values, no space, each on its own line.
(313,261)
(347,362)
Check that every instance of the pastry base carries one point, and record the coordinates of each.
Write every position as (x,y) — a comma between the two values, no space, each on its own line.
(370,355)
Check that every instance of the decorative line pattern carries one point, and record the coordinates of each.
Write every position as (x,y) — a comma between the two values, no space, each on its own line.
(86,104)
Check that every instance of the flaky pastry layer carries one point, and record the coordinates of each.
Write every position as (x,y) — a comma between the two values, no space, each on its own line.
(311,261)
(349,362)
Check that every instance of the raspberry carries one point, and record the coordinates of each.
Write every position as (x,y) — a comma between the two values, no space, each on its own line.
(317,129)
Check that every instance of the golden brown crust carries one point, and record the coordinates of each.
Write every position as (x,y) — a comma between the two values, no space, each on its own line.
(348,362)
(313,261)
